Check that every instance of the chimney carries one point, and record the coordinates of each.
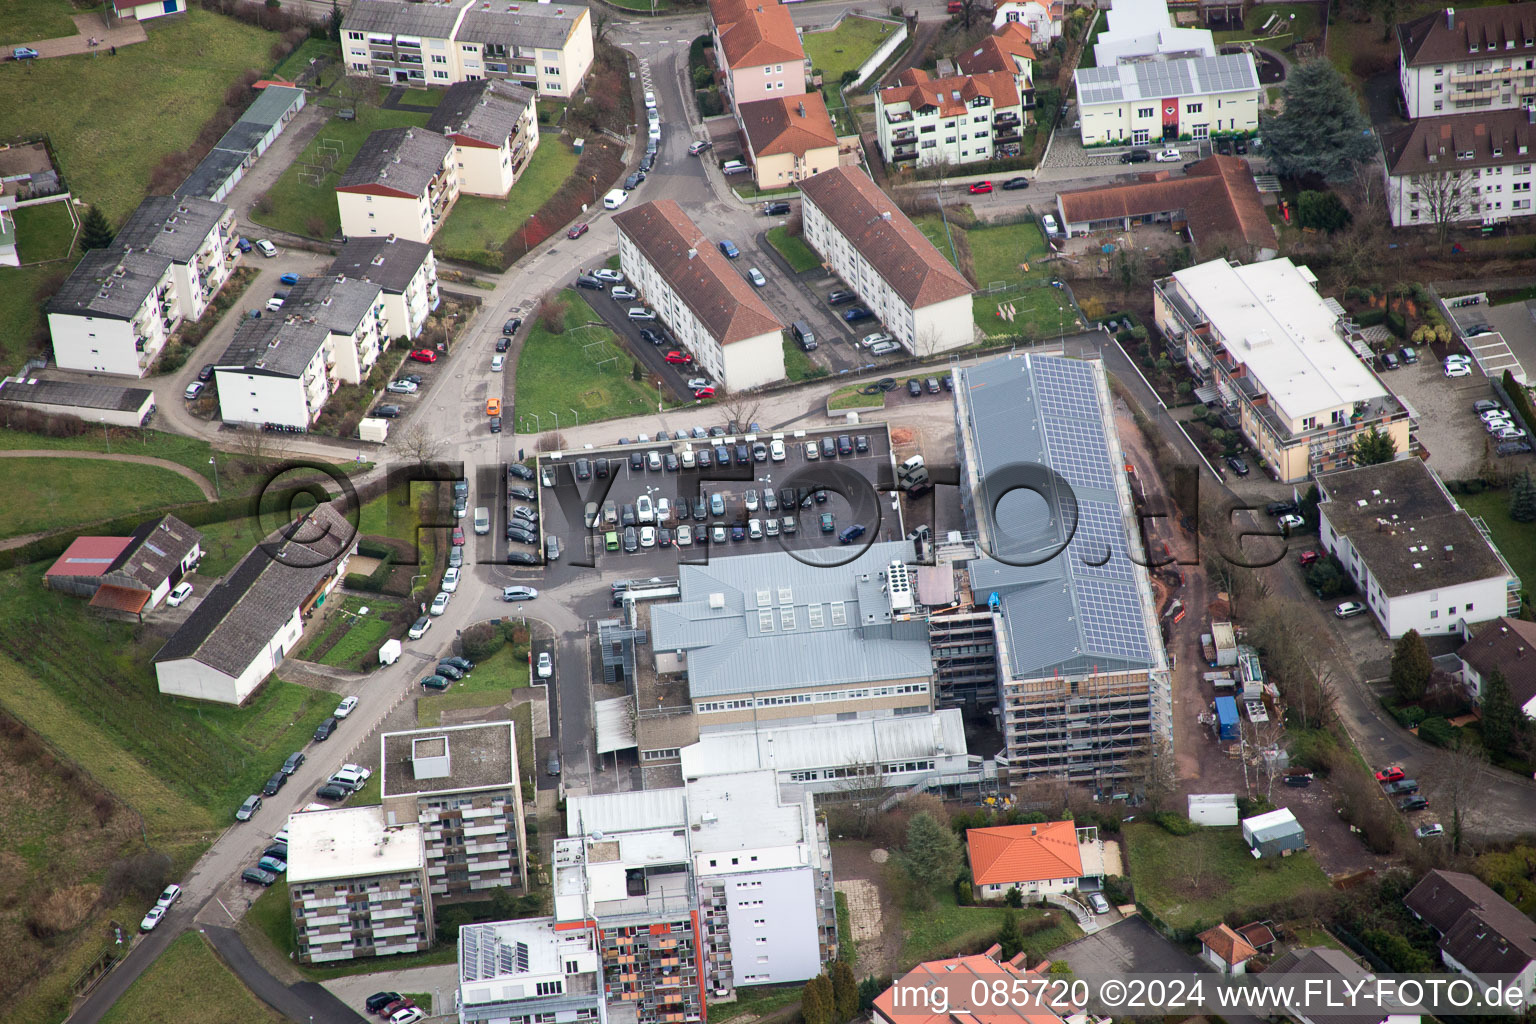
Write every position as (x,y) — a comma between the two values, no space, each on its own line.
(1450,18)
(802,109)
(692,253)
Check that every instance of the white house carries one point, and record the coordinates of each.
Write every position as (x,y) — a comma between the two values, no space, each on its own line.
(709,307)
(140,11)
(1042,20)
(1418,560)
(1506,646)
(1482,935)
(1143,29)
(241,629)
(917,295)
(406,272)
(1147,102)
(402,182)
(959,120)
(114,313)
(1464,168)
(494,131)
(1476,58)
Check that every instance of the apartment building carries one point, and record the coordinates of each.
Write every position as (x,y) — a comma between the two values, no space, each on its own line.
(1009,50)
(494,131)
(1263,344)
(759,862)
(1419,561)
(460,784)
(406,273)
(1043,20)
(357,885)
(1465,168)
(1148,102)
(1144,30)
(529,971)
(198,236)
(709,307)
(960,120)
(402,182)
(352,311)
(114,313)
(917,294)
(1459,61)
(788,138)
(1083,680)
(544,46)
(757,49)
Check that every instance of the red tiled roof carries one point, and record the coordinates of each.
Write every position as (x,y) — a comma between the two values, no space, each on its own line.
(1024,853)
(951,95)
(756,32)
(998,51)
(883,235)
(957,977)
(1227,944)
(788,124)
(88,556)
(724,302)
(120,599)
(1233,209)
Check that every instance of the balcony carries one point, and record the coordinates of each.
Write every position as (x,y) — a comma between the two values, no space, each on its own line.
(1005,120)
(893,118)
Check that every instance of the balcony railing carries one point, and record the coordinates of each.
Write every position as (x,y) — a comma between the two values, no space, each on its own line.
(910,154)
(892,118)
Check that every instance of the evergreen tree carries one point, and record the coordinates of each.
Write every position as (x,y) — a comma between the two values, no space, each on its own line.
(816,1004)
(1411,666)
(95,232)
(1014,896)
(1009,936)
(1373,447)
(931,854)
(335,27)
(1322,130)
(1503,723)
(1522,499)
(845,991)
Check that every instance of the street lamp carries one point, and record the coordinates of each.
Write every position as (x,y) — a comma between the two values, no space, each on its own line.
(214,462)
(577,415)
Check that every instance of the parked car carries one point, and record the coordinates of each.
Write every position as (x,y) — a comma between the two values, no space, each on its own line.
(1412,803)
(266,248)
(1429,831)
(1309,557)
(439,603)
(276,865)
(346,707)
(1391,774)
(980,188)
(641,313)
(1098,902)
(828,523)
(274,783)
(151,919)
(519,594)
(633,181)
(181,593)
(851,533)
(837,298)
(1135,156)
(885,348)
(1168,156)
(545,667)
(258,876)
(401,387)
(1349,609)
(577,230)
(856,313)
(728,249)
(251,806)
(1290,521)
(379,1000)
(1237,465)
(419,628)
(435,682)
(1402,787)
(698,147)
(775,209)
(756,277)
(1013,184)
(333,791)
(914,388)
(193,390)
(324,729)
(424,355)
(1298,781)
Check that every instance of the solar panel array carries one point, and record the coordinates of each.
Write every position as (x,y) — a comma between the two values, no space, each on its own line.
(1100,532)
(485,956)
(1167,79)
(1069,408)
(1226,73)
(1099,85)
(1111,619)
(1164,78)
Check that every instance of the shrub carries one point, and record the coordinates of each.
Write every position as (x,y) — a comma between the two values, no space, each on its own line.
(709,102)
(482,640)
(1175,824)
(1438,731)
(1397,324)
(1371,317)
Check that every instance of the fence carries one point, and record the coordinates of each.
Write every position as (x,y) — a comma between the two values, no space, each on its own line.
(881,54)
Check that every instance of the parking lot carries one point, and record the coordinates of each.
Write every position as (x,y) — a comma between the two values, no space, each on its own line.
(1447,426)
(730,508)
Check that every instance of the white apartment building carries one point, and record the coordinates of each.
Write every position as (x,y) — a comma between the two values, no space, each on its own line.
(115,312)
(1144,30)
(1419,561)
(1147,102)
(402,182)
(918,295)
(544,46)
(494,131)
(1042,20)
(1459,61)
(530,971)
(357,885)
(406,273)
(1460,168)
(1009,50)
(198,236)
(960,120)
(352,311)
(708,306)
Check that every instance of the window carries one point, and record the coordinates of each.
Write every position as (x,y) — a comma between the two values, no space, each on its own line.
(1434,613)
(549,988)
(554,72)
(1193,108)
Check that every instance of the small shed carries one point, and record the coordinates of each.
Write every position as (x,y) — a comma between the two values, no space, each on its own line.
(1274,834)
(1226,950)
(1213,808)
(1224,638)
(1226,718)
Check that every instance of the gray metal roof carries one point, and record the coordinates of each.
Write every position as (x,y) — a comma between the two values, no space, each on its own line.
(77,394)
(389,262)
(279,348)
(545,25)
(393,17)
(109,283)
(837,629)
(210,175)
(487,110)
(269,108)
(826,744)
(1081,610)
(1160,79)
(338,305)
(239,143)
(626,812)
(401,158)
(170,226)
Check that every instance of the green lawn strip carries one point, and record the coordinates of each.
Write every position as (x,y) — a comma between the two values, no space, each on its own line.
(45,232)
(502,672)
(998,254)
(28,21)
(643,5)
(798,364)
(850,398)
(754,1001)
(847,949)
(271,919)
(191,452)
(1191,882)
(421,999)
(189,984)
(1306,937)
(415,97)
(298,205)
(107,159)
(61,492)
(22,334)
(1516,541)
(297,62)
(946,929)
(846,47)
(1088,60)
(477,227)
(801,257)
(560,373)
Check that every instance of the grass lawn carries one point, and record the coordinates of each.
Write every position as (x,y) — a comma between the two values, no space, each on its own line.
(849,398)
(44,232)
(999,255)
(269,918)
(1517,541)
(1300,20)
(307,209)
(846,47)
(478,227)
(1192,881)
(558,373)
(193,453)
(420,97)
(801,257)
(27,21)
(21,311)
(798,364)
(1088,60)
(946,929)
(297,62)
(360,635)
(754,1001)
(502,672)
(63,492)
(189,984)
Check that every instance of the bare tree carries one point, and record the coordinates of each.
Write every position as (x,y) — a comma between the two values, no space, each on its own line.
(258,445)
(417,442)
(1446,196)
(926,342)
(1367,182)
(602,21)
(1457,784)
(741,407)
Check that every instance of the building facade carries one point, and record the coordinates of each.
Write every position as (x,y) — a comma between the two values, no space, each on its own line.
(960,120)
(757,49)
(1467,168)
(530,971)
(1144,30)
(494,130)
(1272,351)
(1460,61)
(115,312)
(406,273)
(94,403)
(402,182)
(199,238)
(918,295)
(1043,20)
(1050,858)
(1144,103)
(1501,646)
(546,47)
(788,138)
(357,885)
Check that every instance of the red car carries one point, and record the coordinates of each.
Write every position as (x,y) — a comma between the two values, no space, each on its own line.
(424,355)
(980,187)
(1308,557)
(703,392)
(1391,774)
(678,357)
(577,231)
(458,536)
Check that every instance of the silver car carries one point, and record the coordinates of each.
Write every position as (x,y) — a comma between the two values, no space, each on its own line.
(439,603)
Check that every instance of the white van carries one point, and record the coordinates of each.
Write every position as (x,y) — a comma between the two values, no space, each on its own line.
(733,167)
(482,520)
(615,199)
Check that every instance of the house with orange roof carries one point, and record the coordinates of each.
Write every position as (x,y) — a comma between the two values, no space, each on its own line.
(1050,857)
(963,119)
(1010,49)
(757,50)
(787,139)
(1042,19)
(1226,950)
(949,986)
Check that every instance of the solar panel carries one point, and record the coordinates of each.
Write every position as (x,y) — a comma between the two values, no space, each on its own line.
(522,957)
(839,614)
(470,939)
(1098,546)
(1111,619)
(1069,408)
(504,960)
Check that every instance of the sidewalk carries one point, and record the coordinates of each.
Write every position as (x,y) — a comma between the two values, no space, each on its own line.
(91,26)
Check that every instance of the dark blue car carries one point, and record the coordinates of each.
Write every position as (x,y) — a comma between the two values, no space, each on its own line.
(289,279)
(729,249)
(856,313)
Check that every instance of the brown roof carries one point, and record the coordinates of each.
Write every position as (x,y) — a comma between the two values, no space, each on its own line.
(756,32)
(788,124)
(1508,645)
(1475,32)
(883,235)
(998,51)
(951,96)
(1320,962)
(1434,143)
(1232,209)
(1227,944)
(156,550)
(1258,935)
(1480,929)
(724,302)
(119,599)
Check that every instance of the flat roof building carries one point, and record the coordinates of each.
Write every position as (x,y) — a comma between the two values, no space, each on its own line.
(527,971)
(1144,30)
(94,403)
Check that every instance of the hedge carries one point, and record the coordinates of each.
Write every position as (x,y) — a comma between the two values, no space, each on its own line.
(1397,324)
(1438,731)
(1370,317)
(376,581)
(1521,399)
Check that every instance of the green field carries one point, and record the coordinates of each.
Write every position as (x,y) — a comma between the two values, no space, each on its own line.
(1191,882)
(477,227)
(849,398)
(297,62)
(843,49)
(1516,541)
(558,374)
(798,364)
(801,257)
(1300,21)
(502,672)
(998,256)
(27,21)
(947,929)
(44,232)
(754,1001)
(21,311)
(63,492)
(189,984)
(357,637)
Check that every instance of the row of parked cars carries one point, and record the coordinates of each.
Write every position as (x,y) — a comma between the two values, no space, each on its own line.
(1405,791)
(394,1008)
(1509,438)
